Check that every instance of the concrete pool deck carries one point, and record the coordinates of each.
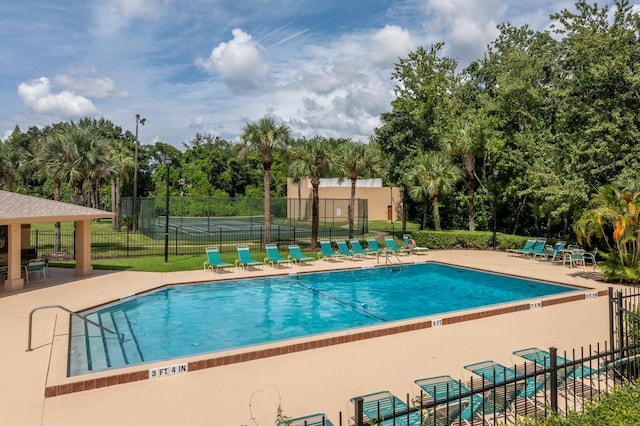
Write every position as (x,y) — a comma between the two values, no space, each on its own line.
(304,382)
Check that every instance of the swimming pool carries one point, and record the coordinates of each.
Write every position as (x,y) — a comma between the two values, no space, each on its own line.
(185,320)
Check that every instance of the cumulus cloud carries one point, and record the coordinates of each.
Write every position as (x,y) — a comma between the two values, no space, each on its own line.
(468,25)
(37,95)
(237,62)
(389,44)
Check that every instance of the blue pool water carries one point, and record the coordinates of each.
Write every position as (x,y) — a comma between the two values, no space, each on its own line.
(191,319)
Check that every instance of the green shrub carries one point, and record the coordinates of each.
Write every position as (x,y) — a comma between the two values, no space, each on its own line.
(620,407)
(481,240)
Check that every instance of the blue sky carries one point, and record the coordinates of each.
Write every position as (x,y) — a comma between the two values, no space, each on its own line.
(209,66)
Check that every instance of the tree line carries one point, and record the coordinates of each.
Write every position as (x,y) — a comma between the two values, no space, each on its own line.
(528,132)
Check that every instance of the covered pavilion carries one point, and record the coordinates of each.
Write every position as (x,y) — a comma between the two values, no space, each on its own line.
(18,212)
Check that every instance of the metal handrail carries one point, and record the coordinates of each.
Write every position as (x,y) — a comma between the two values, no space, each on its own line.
(386,255)
(83,318)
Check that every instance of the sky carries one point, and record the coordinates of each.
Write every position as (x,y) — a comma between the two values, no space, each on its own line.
(210,66)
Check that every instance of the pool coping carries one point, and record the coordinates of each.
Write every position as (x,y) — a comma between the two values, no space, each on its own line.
(58,385)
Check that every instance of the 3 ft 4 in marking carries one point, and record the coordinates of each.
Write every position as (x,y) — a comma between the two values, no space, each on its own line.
(169,370)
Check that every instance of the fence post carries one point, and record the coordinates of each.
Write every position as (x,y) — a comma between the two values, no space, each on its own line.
(611,323)
(358,403)
(620,313)
(553,378)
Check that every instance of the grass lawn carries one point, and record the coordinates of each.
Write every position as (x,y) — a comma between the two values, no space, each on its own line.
(106,242)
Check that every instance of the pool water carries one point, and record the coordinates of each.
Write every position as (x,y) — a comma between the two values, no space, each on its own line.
(191,319)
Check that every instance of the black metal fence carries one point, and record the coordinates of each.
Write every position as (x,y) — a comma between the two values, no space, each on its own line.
(545,383)
(124,244)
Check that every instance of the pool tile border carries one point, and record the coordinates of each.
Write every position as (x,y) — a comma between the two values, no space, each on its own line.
(135,376)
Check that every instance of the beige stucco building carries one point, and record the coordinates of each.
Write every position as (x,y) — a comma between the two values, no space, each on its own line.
(383,203)
(18,212)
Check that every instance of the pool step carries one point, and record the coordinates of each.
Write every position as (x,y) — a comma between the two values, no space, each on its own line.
(94,349)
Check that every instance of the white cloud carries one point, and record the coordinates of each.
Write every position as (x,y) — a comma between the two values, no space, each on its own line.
(467,26)
(113,15)
(389,44)
(96,87)
(238,62)
(36,94)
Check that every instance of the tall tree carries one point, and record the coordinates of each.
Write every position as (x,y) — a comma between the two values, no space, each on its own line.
(314,159)
(265,136)
(52,161)
(122,165)
(85,152)
(432,176)
(359,159)
(425,84)
(463,142)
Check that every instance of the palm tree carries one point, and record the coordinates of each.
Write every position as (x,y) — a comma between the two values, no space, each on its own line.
(122,165)
(358,159)
(85,153)
(313,159)
(615,215)
(433,175)
(296,178)
(462,143)
(51,159)
(264,136)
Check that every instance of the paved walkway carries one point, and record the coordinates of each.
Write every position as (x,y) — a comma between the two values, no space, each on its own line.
(305,382)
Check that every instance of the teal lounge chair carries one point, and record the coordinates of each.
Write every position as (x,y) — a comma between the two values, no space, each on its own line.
(506,395)
(273,256)
(568,373)
(326,252)
(415,249)
(373,245)
(552,252)
(318,419)
(296,254)
(344,249)
(391,245)
(381,407)
(244,259)
(213,260)
(358,250)
(528,246)
(445,387)
(538,247)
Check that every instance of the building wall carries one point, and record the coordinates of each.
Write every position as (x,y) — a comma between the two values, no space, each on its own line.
(380,199)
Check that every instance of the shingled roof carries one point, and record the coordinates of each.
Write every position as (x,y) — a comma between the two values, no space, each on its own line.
(19,208)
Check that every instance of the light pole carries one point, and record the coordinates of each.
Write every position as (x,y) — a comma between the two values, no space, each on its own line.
(167,162)
(134,214)
(495,204)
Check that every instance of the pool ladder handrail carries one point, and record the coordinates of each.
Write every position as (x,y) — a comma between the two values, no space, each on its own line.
(386,252)
(83,318)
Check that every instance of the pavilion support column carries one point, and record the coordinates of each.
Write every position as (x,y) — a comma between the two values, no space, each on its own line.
(14,280)
(83,248)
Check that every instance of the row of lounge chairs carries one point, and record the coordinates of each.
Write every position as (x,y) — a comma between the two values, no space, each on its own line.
(245,258)
(496,392)
(373,249)
(571,254)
